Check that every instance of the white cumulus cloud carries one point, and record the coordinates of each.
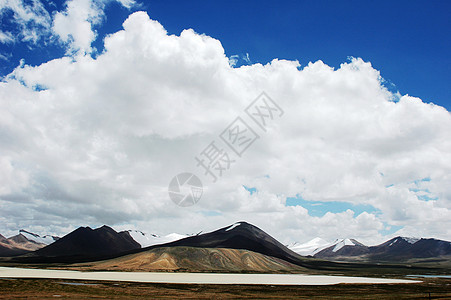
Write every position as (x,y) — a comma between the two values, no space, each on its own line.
(31,17)
(102,137)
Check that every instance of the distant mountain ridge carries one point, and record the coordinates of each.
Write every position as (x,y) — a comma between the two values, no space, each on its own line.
(85,244)
(46,239)
(17,245)
(395,249)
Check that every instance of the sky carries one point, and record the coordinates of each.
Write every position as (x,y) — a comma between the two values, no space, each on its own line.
(104,102)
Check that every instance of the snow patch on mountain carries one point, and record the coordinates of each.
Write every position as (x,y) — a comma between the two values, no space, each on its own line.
(46,239)
(233,226)
(410,240)
(317,245)
(146,239)
(392,243)
(310,248)
(341,243)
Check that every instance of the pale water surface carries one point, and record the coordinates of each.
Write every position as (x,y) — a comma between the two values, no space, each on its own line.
(201,278)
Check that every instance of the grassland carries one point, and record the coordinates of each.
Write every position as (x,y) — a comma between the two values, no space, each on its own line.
(50,289)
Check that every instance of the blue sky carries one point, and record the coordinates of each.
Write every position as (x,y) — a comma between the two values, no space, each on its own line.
(100,129)
(320,208)
(407,41)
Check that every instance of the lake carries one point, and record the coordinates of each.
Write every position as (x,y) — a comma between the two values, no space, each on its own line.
(198,278)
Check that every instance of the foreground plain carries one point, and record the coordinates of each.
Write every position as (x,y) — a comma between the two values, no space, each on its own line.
(429,288)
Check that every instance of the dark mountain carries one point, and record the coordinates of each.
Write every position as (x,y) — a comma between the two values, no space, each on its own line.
(87,242)
(6,250)
(240,235)
(244,236)
(395,250)
(401,248)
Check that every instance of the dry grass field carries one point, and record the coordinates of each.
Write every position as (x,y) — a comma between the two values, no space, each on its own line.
(71,289)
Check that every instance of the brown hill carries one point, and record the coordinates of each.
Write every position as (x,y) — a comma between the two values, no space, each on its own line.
(22,242)
(194,259)
(17,245)
(243,236)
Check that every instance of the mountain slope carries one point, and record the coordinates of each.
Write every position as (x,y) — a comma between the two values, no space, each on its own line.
(87,242)
(7,249)
(194,259)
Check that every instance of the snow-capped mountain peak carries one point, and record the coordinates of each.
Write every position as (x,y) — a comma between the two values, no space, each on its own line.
(317,245)
(410,240)
(341,243)
(309,248)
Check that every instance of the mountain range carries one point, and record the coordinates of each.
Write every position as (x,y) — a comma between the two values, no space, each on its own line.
(46,239)
(18,244)
(240,246)
(393,250)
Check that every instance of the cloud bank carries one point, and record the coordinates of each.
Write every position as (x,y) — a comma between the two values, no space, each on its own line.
(88,140)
